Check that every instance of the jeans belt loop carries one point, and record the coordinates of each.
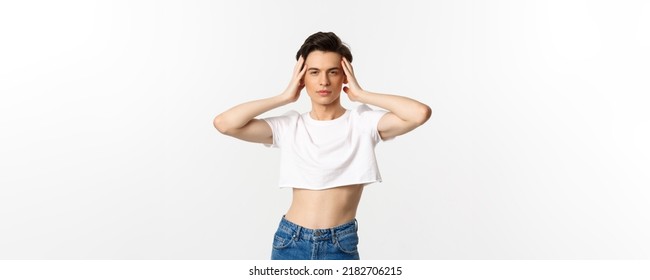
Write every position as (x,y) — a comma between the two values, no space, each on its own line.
(296,235)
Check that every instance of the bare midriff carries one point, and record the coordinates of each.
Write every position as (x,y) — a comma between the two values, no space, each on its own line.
(321,209)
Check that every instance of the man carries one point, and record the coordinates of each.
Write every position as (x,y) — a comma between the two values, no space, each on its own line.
(327,154)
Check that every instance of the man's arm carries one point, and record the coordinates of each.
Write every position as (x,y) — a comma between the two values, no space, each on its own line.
(240,122)
(405,114)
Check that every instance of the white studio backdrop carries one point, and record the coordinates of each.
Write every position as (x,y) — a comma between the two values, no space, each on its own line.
(537,147)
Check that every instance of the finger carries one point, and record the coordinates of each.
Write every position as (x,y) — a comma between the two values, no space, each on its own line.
(346,62)
(349,74)
(348,66)
(345,68)
(301,76)
(301,62)
(302,72)
(299,65)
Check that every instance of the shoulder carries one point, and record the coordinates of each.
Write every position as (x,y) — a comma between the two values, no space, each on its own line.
(288,117)
(367,114)
(361,109)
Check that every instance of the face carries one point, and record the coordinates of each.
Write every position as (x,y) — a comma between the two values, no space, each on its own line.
(324,77)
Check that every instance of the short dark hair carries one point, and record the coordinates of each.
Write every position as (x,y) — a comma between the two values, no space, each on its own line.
(324,41)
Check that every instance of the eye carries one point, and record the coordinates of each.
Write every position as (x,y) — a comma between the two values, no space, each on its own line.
(313,72)
(334,72)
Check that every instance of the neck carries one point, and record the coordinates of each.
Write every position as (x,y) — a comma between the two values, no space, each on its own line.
(326,112)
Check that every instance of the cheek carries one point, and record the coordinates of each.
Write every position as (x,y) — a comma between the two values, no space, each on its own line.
(311,83)
(309,80)
(339,79)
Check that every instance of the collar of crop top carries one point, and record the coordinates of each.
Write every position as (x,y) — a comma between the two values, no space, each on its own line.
(314,116)
(308,118)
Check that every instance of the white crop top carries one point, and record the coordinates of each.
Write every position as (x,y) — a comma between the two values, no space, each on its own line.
(319,155)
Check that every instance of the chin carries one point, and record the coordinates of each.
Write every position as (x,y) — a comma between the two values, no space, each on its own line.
(324,100)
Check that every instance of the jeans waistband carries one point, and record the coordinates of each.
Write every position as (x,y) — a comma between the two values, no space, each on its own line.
(300,232)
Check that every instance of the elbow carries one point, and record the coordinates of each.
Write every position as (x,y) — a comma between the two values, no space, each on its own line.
(424,113)
(219,124)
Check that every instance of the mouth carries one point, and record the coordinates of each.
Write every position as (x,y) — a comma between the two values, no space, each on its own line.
(323,92)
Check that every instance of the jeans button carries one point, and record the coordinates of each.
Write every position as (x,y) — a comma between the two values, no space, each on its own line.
(317,233)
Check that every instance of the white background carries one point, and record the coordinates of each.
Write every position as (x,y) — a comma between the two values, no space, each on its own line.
(537,147)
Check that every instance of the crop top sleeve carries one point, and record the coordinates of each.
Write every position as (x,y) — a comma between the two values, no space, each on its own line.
(281,125)
(370,119)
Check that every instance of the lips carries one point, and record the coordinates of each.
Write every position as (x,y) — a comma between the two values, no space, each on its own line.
(324,92)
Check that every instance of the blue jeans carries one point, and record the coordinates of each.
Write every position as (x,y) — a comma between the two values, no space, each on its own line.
(294,242)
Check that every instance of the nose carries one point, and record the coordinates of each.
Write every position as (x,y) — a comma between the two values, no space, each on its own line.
(324,80)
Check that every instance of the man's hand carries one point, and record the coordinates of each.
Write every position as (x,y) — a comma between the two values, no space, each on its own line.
(353,89)
(405,114)
(297,83)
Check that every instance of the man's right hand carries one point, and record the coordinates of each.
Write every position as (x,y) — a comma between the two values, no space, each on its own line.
(297,83)
(240,121)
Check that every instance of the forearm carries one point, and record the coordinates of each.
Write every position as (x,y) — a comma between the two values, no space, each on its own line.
(405,108)
(238,116)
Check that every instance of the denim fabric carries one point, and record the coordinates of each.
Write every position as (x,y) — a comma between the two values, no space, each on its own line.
(293,242)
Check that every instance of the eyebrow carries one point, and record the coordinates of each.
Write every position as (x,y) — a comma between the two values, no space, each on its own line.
(314,68)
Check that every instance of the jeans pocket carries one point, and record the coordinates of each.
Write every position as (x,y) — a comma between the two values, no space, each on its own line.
(282,239)
(348,243)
